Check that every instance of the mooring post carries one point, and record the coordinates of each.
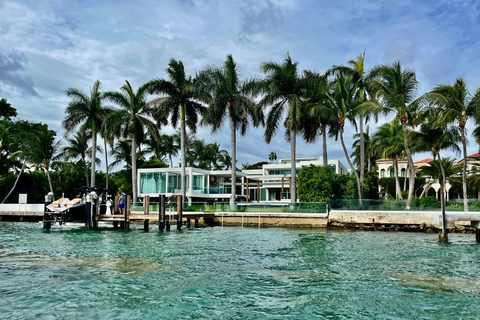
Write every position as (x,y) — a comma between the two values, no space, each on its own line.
(161,213)
(196,222)
(95,212)
(179,211)
(88,210)
(146,210)
(444,235)
(116,210)
(48,200)
(127,212)
(188,223)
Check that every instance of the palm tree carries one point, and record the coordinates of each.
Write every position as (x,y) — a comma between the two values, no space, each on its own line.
(180,102)
(45,151)
(272,156)
(438,169)
(457,105)
(284,90)
(362,80)
(225,160)
(89,111)
(228,99)
(388,142)
(435,136)
(78,148)
(131,120)
(169,147)
(357,147)
(395,89)
(322,115)
(345,101)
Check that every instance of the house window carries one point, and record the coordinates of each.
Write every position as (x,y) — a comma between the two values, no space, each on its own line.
(404,173)
(392,173)
(382,173)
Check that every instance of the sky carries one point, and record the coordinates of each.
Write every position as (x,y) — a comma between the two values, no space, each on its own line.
(50,45)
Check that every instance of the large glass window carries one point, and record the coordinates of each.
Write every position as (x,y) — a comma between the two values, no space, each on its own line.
(392,173)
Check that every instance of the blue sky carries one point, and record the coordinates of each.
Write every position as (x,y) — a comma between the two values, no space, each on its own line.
(48,46)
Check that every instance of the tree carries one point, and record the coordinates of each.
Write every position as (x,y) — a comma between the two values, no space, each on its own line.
(78,148)
(322,113)
(345,101)
(388,143)
(89,111)
(179,102)
(395,90)
(169,147)
(229,99)
(284,91)
(131,121)
(45,151)
(440,170)
(6,110)
(272,156)
(367,149)
(457,106)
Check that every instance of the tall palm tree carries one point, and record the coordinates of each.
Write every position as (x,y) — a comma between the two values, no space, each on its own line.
(395,90)
(345,101)
(45,151)
(78,148)
(229,100)
(180,102)
(322,114)
(440,170)
(362,79)
(224,160)
(388,141)
(89,111)
(457,106)
(284,91)
(131,120)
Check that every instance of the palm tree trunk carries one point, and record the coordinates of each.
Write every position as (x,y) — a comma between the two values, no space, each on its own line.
(369,163)
(293,168)
(134,168)
(106,166)
(464,175)
(359,189)
(94,157)
(398,191)
(182,150)
(49,180)
(324,137)
(86,169)
(405,180)
(171,161)
(234,157)
(411,181)
(362,153)
(16,181)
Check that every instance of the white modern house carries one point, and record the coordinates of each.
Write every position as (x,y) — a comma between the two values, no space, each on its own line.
(271,183)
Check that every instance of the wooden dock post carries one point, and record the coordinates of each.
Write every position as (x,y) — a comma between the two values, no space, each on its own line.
(196,222)
(127,212)
(48,201)
(161,213)
(116,210)
(179,211)
(188,222)
(146,210)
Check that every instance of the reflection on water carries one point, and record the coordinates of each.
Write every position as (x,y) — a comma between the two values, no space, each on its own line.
(235,273)
(121,266)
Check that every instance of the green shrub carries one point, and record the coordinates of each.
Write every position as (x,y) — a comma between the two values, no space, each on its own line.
(429,202)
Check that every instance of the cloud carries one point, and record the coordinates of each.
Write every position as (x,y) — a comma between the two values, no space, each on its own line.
(11,73)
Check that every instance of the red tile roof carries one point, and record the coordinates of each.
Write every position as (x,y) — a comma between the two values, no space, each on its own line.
(424,161)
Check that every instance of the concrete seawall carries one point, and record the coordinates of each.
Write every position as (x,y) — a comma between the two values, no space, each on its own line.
(264,219)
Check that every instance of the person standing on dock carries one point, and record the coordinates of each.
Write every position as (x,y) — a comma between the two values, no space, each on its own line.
(121,203)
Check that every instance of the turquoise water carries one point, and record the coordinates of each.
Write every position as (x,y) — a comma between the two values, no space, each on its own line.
(235,273)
